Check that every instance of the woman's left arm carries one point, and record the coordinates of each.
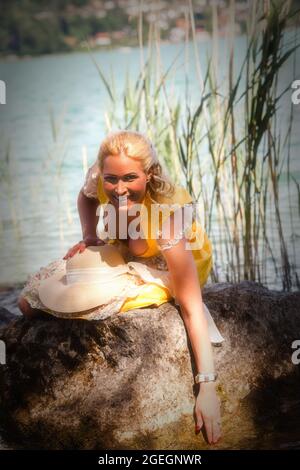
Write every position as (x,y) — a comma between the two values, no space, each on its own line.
(187,291)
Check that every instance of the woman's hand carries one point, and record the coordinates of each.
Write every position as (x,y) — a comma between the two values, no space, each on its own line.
(82,245)
(207,412)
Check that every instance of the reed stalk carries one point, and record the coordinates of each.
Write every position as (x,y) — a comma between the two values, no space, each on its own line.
(227,146)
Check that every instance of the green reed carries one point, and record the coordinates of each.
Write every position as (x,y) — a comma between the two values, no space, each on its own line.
(8,190)
(228,148)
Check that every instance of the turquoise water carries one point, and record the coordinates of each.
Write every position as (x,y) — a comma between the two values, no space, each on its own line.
(39,219)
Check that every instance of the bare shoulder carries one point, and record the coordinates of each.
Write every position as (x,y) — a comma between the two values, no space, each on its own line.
(172,241)
(180,261)
(90,185)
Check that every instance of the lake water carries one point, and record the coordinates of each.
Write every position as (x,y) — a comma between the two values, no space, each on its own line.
(39,219)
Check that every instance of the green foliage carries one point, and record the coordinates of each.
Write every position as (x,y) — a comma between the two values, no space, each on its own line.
(227,148)
(41,27)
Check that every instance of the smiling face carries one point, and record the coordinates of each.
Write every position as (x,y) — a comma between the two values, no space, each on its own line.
(123,177)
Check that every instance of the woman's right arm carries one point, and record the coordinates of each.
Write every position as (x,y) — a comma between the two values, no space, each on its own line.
(87,204)
(87,209)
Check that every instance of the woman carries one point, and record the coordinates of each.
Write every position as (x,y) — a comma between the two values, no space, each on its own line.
(128,175)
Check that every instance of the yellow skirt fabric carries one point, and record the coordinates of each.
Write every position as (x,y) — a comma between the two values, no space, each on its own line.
(151,294)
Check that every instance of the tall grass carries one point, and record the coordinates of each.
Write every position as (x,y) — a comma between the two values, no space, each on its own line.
(228,148)
(8,191)
(47,177)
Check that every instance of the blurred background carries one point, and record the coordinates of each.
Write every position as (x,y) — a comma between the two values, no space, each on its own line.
(210,82)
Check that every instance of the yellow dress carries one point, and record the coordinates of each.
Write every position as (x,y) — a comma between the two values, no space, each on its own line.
(154,294)
(149,282)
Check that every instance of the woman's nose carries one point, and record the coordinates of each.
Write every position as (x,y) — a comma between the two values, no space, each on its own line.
(121,188)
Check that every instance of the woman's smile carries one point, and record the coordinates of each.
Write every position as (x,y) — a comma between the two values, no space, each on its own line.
(124,199)
(124,180)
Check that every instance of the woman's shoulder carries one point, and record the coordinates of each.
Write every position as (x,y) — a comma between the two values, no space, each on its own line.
(90,185)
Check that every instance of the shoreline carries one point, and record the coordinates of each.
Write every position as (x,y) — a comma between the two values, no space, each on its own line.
(9,58)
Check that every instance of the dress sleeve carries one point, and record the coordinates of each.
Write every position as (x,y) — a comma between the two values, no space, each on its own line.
(181,197)
(90,185)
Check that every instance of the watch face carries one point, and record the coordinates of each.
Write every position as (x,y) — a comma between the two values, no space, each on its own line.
(206,377)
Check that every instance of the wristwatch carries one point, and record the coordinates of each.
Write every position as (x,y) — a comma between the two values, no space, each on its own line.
(212,377)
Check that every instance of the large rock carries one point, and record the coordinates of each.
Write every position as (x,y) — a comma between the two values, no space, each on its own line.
(127,382)
(6,317)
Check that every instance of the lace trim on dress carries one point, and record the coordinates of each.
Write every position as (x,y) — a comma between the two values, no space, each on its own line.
(169,243)
(30,290)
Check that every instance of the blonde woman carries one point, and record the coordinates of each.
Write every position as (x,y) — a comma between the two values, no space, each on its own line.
(127,174)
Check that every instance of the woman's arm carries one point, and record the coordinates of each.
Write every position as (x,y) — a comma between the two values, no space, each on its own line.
(187,291)
(87,209)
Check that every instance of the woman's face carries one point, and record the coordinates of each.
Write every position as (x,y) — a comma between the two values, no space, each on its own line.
(123,179)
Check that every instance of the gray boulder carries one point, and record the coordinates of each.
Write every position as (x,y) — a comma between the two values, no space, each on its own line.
(6,317)
(127,382)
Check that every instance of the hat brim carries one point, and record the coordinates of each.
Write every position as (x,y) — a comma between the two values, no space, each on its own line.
(61,297)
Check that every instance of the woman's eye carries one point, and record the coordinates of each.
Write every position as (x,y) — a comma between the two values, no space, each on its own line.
(114,180)
(129,178)
(111,179)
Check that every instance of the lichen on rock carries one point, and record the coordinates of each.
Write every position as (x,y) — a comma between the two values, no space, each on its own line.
(127,382)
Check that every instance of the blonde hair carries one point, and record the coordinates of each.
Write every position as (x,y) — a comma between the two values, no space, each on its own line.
(135,145)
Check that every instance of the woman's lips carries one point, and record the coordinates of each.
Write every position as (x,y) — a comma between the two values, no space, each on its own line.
(121,200)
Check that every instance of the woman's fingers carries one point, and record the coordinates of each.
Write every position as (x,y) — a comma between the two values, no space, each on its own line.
(209,430)
(212,429)
(72,251)
(81,246)
(199,424)
(67,255)
(216,431)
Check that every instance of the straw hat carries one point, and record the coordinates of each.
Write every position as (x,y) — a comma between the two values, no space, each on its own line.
(88,279)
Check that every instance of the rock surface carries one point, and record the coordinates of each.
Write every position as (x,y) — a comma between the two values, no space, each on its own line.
(127,382)
(5,317)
